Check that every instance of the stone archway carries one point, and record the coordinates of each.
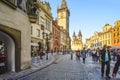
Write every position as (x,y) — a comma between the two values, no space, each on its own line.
(9,51)
(13,36)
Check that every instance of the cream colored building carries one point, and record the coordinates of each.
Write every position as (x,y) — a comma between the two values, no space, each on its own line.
(105,37)
(43,26)
(63,22)
(88,43)
(96,40)
(15,35)
(77,41)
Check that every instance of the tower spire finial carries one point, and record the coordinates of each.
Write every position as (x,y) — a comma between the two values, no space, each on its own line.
(64,4)
(79,34)
(74,34)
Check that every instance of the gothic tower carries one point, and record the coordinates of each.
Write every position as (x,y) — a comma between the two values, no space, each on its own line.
(63,16)
(77,41)
(63,21)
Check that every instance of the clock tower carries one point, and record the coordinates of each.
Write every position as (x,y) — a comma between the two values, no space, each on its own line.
(63,16)
(63,22)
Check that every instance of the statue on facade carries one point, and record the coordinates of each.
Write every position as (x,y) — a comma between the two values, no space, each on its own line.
(31,7)
(31,10)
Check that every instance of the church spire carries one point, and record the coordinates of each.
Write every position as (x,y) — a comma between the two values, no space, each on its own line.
(64,4)
(74,34)
(79,34)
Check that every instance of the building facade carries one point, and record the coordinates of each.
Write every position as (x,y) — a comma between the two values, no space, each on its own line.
(105,36)
(88,43)
(56,36)
(96,43)
(116,34)
(77,41)
(42,29)
(15,36)
(63,22)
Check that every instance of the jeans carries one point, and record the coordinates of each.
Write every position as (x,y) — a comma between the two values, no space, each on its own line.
(107,68)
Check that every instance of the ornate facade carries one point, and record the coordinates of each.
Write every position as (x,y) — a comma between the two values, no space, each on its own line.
(63,22)
(96,43)
(56,36)
(42,28)
(105,37)
(77,41)
(116,34)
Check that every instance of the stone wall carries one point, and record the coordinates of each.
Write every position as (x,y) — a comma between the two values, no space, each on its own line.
(17,19)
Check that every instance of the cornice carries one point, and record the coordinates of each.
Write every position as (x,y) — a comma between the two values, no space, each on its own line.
(42,8)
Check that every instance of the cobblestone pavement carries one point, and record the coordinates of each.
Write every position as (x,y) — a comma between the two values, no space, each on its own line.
(66,69)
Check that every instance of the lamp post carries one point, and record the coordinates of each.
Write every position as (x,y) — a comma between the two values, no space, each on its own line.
(47,37)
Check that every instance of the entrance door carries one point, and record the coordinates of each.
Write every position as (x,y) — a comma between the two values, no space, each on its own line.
(3,58)
(7,53)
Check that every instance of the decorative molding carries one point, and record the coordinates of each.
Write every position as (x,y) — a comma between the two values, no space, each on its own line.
(11,3)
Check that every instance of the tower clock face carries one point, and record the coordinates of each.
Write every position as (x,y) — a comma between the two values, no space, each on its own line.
(62,14)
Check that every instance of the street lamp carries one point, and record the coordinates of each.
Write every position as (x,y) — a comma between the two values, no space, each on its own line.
(47,37)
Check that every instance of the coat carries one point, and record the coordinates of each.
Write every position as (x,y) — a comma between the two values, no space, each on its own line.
(102,53)
(83,53)
(117,64)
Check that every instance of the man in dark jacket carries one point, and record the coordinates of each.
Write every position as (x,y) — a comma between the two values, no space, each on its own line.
(83,54)
(105,59)
(117,64)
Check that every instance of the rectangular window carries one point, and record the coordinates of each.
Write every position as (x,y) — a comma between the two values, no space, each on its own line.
(38,33)
(47,24)
(114,41)
(118,41)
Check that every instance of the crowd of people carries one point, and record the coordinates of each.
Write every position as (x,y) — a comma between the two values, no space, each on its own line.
(103,56)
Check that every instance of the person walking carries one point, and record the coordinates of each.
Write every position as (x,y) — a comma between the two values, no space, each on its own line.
(78,55)
(105,60)
(93,55)
(97,54)
(71,52)
(83,54)
(41,53)
(117,64)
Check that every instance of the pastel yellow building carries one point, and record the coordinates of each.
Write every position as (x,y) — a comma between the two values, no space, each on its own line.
(116,34)
(105,37)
